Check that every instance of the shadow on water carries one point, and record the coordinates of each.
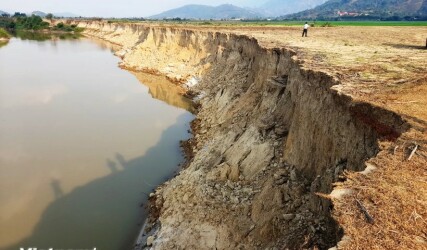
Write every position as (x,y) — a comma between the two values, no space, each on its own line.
(102,213)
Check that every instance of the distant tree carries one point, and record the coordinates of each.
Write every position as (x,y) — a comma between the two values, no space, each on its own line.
(49,16)
(12,25)
(19,14)
(5,15)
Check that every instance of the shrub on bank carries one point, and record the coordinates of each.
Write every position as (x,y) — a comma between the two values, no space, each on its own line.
(67,28)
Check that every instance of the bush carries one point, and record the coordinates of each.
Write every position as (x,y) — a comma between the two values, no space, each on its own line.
(60,25)
(67,28)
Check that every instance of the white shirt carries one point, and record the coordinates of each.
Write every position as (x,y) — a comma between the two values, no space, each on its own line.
(306,26)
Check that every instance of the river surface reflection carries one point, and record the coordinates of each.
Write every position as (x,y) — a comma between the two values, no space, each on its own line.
(82,142)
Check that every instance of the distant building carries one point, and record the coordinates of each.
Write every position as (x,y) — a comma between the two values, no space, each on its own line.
(345,13)
(342,13)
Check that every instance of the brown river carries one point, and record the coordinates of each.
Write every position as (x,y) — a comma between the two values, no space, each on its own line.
(82,144)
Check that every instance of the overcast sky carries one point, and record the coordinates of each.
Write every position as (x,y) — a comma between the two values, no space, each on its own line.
(111,8)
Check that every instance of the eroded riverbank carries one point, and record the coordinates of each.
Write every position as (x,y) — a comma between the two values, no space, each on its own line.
(273,135)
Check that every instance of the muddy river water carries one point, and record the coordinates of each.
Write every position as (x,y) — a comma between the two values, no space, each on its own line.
(82,143)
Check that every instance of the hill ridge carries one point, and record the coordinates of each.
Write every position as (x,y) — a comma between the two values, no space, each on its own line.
(360,8)
(199,11)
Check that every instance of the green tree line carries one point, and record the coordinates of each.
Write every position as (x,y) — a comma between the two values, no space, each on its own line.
(31,23)
(20,21)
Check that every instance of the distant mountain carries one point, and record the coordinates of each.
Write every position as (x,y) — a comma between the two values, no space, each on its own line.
(195,11)
(283,7)
(38,13)
(59,14)
(423,10)
(381,8)
(3,12)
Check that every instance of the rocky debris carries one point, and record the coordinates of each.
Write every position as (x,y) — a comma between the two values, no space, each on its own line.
(288,217)
(150,240)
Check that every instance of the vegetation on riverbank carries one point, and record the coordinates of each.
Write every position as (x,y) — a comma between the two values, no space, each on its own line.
(67,28)
(4,35)
(31,23)
(20,21)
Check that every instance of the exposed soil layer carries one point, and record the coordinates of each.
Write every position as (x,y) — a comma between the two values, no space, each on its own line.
(280,120)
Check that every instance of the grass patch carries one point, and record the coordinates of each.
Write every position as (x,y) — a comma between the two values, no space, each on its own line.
(4,34)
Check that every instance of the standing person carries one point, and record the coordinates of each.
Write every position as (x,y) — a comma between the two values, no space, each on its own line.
(304,32)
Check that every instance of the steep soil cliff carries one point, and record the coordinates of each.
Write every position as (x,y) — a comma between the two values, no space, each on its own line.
(271,136)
